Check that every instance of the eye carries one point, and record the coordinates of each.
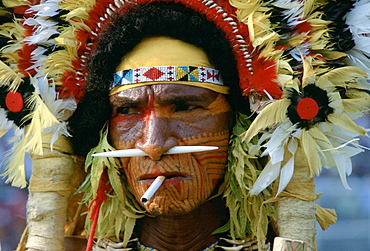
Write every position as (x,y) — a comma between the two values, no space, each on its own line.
(127,110)
(179,107)
(123,110)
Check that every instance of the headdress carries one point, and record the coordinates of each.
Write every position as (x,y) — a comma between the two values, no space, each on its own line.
(157,60)
(288,66)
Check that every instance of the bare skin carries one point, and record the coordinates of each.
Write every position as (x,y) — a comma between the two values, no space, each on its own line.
(154,119)
(191,231)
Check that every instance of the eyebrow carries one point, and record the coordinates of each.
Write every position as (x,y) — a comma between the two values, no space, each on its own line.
(181,98)
(125,101)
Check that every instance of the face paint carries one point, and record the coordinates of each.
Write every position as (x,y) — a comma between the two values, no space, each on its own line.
(156,118)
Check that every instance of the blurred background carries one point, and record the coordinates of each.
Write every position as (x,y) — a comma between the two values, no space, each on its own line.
(351,232)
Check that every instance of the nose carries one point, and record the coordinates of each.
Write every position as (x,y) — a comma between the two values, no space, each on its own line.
(156,138)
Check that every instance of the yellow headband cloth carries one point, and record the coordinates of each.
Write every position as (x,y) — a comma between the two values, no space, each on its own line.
(165,60)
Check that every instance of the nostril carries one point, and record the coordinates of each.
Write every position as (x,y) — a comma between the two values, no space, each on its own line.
(156,150)
(155,153)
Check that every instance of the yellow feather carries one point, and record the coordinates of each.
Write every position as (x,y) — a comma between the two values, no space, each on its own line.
(41,118)
(357,92)
(77,14)
(332,55)
(2,132)
(346,123)
(322,141)
(311,150)
(14,165)
(357,105)
(14,3)
(10,30)
(74,4)
(308,73)
(247,7)
(9,78)
(67,37)
(308,7)
(59,62)
(272,114)
(340,76)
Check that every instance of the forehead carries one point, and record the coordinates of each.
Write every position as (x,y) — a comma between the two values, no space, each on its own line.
(164,93)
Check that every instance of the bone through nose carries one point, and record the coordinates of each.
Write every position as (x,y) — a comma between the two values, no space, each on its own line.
(156,139)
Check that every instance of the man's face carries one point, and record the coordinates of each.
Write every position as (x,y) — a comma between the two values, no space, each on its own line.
(156,118)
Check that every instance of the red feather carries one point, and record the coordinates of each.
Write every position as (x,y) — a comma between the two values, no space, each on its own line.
(264,78)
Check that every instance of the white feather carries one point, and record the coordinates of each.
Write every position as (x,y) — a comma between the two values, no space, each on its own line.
(358,21)
(42,36)
(46,9)
(267,176)
(344,167)
(286,174)
(5,124)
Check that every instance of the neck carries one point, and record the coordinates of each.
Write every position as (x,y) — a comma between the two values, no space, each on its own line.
(191,231)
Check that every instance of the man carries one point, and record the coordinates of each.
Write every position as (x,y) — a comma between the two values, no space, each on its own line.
(153,76)
(156,115)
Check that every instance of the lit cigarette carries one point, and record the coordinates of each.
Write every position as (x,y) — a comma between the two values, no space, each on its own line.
(152,189)
(138,152)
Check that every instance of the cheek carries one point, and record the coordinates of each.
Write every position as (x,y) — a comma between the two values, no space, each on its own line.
(213,163)
(123,130)
(205,169)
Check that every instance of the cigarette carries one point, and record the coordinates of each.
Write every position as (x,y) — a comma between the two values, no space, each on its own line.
(152,189)
(138,152)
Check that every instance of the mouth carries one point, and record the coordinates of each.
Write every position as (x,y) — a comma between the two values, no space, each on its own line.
(171,178)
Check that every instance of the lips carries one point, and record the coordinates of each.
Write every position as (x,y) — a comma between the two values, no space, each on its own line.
(168,175)
(172,178)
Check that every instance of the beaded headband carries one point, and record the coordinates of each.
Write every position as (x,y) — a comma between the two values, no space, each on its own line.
(199,76)
(165,60)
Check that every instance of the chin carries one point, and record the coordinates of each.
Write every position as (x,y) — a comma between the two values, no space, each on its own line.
(161,206)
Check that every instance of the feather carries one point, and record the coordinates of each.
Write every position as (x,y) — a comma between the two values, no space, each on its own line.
(75,4)
(340,76)
(287,170)
(58,107)
(41,118)
(347,124)
(267,176)
(46,9)
(344,166)
(43,36)
(308,7)
(264,78)
(63,58)
(247,6)
(308,73)
(358,59)
(14,165)
(358,21)
(280,136)
(292,9)
(5,124)
(311,151)
(14,3)
(272,114)
(9,77)
(78,13)
(358,105)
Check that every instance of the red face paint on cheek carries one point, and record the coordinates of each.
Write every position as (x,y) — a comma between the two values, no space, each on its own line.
(128,123)
(188,118)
